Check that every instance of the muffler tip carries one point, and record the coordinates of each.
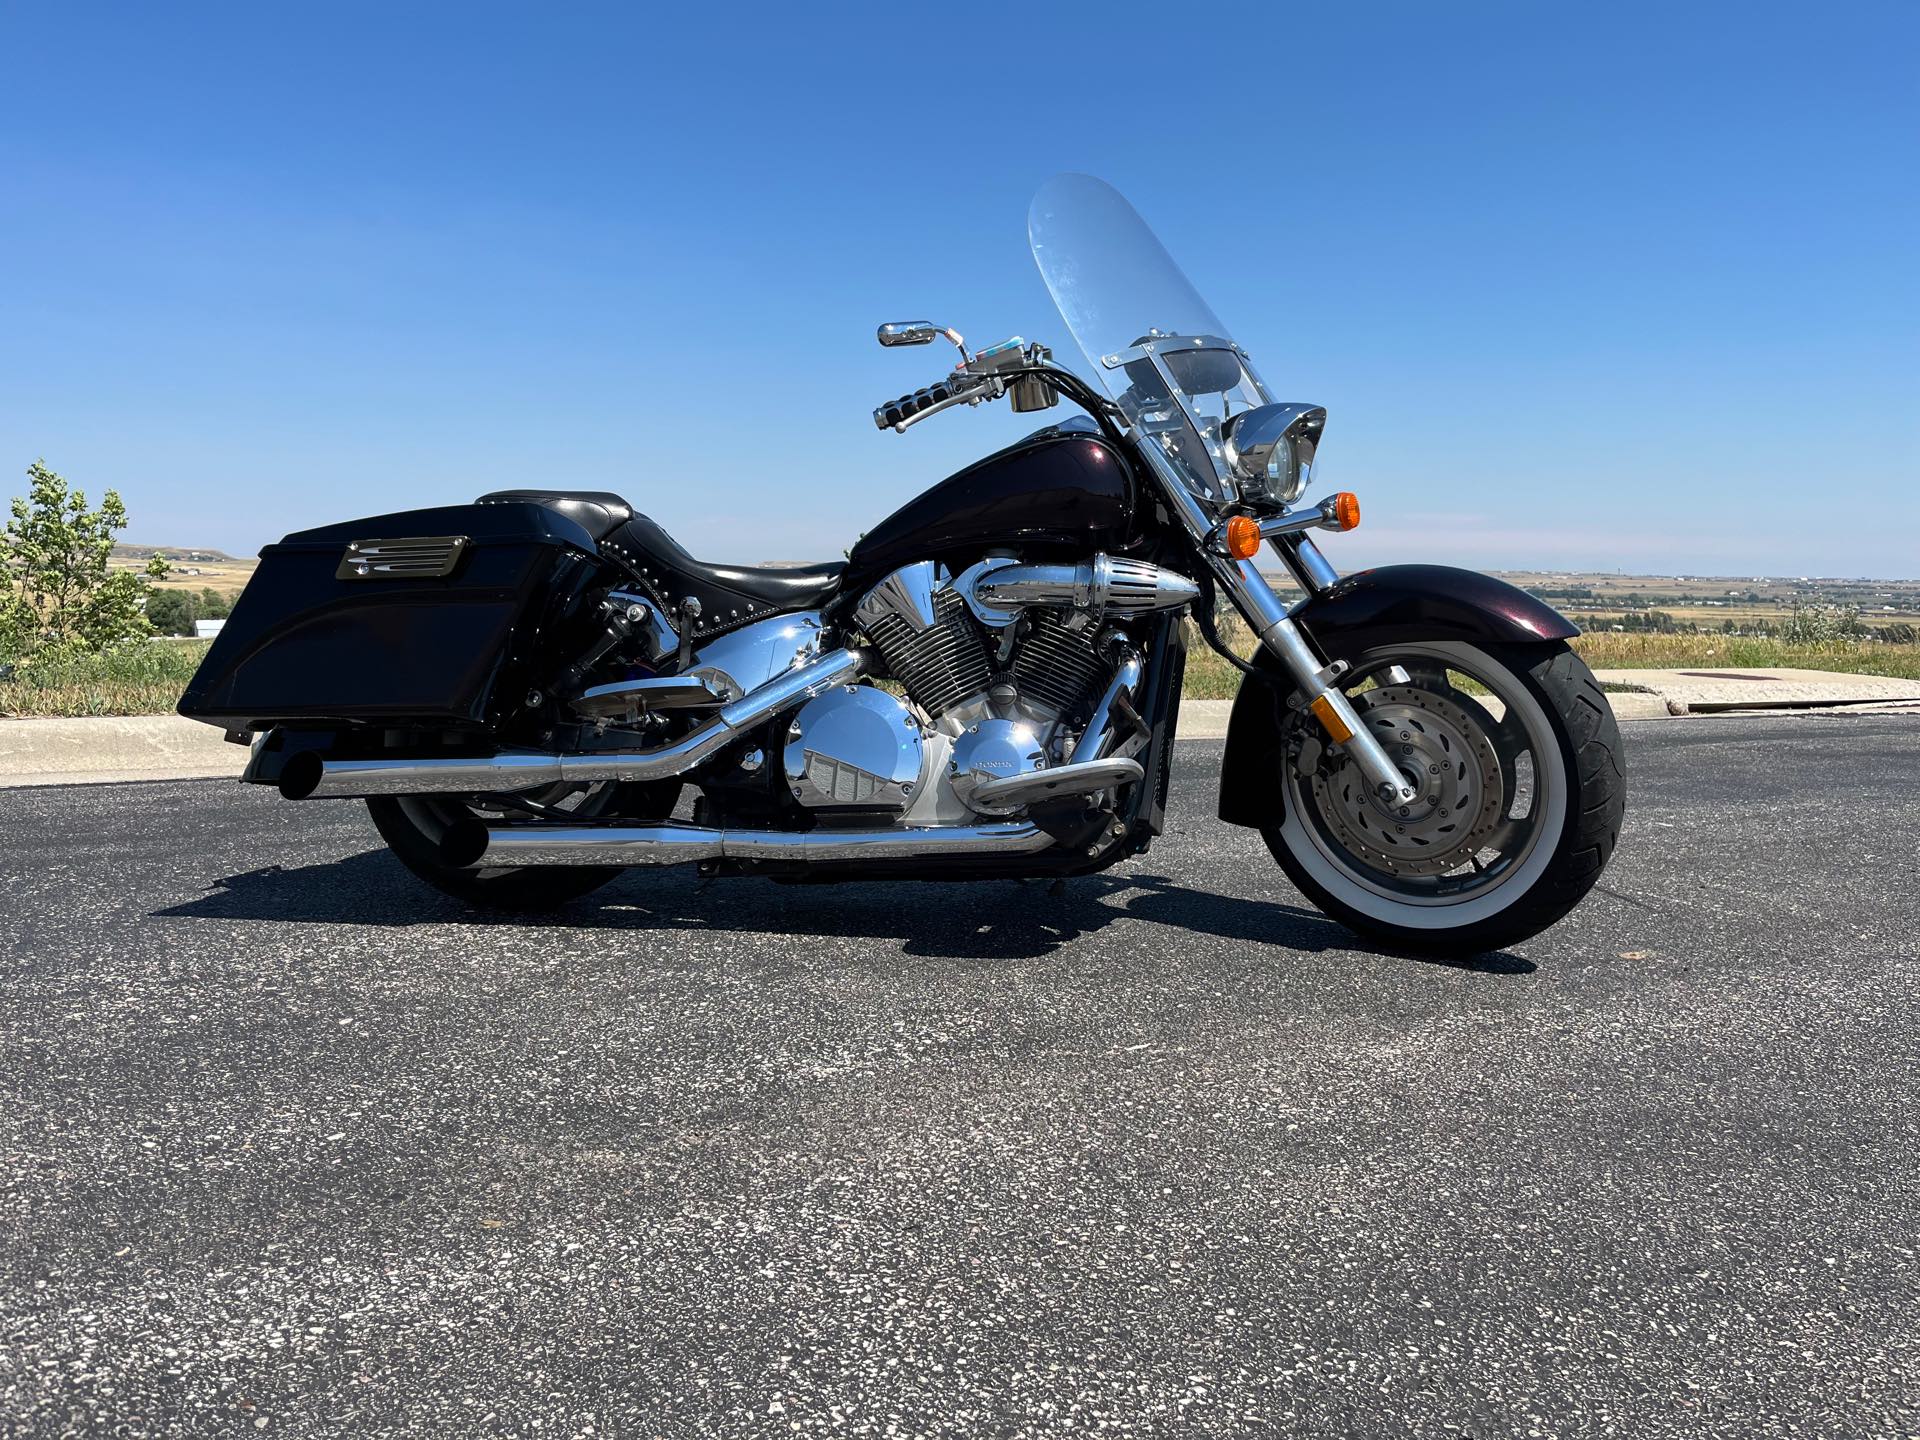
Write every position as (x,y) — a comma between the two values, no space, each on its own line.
(300,776)
(463,843)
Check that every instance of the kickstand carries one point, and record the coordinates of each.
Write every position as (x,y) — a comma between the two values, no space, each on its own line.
(1057,889)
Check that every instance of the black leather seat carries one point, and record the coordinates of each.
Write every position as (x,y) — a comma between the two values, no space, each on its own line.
(598,512)
(729,595)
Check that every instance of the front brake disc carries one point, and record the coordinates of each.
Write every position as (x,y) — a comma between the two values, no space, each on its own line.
(1443,749)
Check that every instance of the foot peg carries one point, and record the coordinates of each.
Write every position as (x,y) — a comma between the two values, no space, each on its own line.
(1059,783)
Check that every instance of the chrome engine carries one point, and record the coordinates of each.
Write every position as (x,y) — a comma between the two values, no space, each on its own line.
(919,623)
(991,661)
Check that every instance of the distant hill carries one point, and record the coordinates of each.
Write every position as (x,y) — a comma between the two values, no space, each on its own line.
(177,552)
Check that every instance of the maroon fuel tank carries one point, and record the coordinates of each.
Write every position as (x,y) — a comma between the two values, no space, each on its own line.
(1063,489)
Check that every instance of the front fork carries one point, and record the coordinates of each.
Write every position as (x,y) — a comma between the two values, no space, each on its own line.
(1255,599)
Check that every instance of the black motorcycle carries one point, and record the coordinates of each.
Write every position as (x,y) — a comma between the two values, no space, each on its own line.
(523,688)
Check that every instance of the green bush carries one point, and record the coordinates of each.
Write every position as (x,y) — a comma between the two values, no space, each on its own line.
(57,590)
(1821,624)
(172,612)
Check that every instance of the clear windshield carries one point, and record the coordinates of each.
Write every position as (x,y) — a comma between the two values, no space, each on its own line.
(1149,338)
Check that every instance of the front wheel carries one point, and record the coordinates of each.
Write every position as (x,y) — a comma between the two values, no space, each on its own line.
(1517,758)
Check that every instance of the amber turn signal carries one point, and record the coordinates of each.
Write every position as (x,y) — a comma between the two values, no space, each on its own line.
(1243,537)
(1329,719)
(1346,510)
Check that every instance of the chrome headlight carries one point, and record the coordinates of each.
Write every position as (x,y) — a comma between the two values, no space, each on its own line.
(1271,449)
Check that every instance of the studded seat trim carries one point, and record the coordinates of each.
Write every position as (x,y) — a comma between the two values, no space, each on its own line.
(730,595)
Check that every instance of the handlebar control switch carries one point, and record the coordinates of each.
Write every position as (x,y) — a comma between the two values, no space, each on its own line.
(1027,392)
(986,375)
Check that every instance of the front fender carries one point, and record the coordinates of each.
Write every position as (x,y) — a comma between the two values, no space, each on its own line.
(1368,608)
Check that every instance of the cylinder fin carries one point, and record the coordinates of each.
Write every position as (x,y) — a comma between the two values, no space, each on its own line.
(1055,664)
(940,665)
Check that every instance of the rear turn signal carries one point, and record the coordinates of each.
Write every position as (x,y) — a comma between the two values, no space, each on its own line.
(1243,537)
(1346,510)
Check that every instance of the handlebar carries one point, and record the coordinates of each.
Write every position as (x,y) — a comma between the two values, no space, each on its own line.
(955,388)
(1012,366)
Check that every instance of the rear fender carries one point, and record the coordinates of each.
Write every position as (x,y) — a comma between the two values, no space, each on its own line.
(1396,603)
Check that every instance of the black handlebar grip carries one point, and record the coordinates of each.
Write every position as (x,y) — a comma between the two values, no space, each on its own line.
(908,406)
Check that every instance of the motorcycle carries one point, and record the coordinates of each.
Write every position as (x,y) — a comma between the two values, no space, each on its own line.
(524,689)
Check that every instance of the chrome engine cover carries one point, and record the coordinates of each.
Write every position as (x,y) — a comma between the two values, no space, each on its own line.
(993,660)
(993,750)
(743,660)
(855,747)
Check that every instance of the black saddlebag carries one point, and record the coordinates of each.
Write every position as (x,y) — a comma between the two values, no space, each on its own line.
(440,618)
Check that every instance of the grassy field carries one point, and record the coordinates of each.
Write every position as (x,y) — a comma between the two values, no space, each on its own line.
(228,576)
(143,680)
(148,680)
(1606,650)
(1209,677)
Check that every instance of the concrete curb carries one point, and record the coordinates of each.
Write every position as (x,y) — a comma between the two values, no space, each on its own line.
(1711,690)
(101,751)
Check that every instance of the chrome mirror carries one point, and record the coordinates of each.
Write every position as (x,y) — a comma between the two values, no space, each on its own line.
(909,332)
(1271,447)
(920,332)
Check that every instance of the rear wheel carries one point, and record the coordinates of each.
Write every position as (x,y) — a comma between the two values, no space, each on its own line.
(414,826)
(1517,758)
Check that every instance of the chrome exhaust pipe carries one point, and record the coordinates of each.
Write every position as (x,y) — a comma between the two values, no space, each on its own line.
(308,774)
(472,842)
(1099,735)
(508,846)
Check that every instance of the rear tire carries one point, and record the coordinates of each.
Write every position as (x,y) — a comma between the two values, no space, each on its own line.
(414,825)
(1587,767)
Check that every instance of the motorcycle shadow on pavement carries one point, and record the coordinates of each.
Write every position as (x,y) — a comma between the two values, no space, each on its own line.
(985,920)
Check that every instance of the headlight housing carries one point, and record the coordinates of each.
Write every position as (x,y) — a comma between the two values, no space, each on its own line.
(1271,450)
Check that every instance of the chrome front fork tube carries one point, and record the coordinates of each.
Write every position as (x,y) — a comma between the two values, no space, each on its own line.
(1270,621)
(1327,702)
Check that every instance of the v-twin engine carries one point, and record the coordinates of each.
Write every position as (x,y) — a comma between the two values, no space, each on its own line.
(921,627)
(941,635)
(992,660)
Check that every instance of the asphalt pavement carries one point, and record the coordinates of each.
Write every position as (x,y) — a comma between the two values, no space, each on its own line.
(290,1145)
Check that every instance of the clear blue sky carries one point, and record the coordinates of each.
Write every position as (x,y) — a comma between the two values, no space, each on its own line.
(1608,286)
